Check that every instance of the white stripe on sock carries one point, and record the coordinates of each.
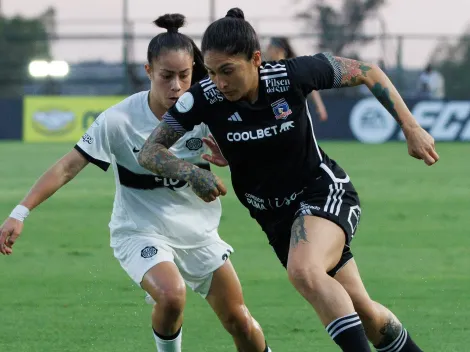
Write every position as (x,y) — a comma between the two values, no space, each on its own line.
(396,345)
(345,328)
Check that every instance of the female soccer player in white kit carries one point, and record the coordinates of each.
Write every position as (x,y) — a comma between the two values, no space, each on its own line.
(156,230)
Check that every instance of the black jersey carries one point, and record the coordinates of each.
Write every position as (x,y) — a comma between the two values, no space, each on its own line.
(270,145)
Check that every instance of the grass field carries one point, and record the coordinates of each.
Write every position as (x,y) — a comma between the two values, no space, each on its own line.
(62,290)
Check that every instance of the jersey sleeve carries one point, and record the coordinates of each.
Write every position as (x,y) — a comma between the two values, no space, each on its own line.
(314,72)
(95,144)
(187,112)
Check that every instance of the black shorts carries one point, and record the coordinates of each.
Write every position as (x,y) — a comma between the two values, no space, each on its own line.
(331,196)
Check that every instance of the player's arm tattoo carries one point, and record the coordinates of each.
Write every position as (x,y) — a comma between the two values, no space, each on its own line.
(298,232)
(354,72)
(156,157)
(383,96)
(390,331)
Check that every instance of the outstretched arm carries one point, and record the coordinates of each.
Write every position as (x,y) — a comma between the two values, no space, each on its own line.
(156,158)
(353,73)
(50,182)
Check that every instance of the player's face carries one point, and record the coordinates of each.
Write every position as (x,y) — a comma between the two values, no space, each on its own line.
(170,75)
(235,76)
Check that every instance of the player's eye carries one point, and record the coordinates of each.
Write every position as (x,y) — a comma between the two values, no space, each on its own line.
(166,76)
(227,72)
(184,75)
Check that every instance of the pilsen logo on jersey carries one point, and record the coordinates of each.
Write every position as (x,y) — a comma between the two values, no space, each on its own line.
(275,78)
(211,93)
(281,109)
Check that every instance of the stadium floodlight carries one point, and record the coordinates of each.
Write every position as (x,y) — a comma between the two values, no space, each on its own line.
(58,69)
(39,69)
(42,69)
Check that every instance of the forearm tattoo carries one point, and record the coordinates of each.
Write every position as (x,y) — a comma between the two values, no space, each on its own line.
(156,157)
(298,232)
(383,96)
(390,331)
(352,71)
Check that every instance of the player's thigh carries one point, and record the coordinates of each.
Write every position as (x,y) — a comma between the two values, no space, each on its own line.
(150,264)
(315,244)
(198,265)
(225,292)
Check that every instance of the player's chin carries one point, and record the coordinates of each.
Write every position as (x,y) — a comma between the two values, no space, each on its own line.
(232,96)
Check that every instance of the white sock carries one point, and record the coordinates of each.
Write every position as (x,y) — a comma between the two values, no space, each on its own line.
(173,345)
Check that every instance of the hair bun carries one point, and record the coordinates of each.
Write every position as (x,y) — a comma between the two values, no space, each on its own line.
(235,13)
(171,22)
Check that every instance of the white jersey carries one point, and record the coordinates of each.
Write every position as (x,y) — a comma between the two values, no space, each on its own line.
(146,204)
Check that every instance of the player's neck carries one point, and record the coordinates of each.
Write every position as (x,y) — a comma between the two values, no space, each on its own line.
(157,109)
(252,95)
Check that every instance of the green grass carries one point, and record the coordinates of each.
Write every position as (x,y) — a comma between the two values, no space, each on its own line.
(62,290)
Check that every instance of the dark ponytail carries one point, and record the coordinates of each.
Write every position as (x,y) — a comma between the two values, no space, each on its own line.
(172,39)
(231,35)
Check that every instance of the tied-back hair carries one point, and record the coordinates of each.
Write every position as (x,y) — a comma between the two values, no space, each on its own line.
(231,35)
(172,39)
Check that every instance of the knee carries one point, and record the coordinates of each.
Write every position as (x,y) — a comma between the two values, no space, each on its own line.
(171,299)
(238,321)
(306,278)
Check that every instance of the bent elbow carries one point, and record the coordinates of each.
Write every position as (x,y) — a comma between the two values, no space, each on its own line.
(141,160)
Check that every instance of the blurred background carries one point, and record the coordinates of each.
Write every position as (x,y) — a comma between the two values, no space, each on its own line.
(98,48)
(63,62)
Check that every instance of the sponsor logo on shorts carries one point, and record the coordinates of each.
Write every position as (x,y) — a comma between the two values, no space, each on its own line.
(148,252)
(226,255)
(262,204)
(353,217)
(255,202)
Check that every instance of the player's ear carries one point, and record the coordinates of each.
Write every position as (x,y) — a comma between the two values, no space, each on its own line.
(148,69)
(256,59)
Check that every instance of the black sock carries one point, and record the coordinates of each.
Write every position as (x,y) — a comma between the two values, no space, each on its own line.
(168,338)
(403,343)
(349,334)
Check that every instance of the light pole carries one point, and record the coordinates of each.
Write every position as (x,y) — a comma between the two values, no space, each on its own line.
(211,10)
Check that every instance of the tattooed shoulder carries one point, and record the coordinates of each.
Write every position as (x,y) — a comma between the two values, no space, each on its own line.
(352,71)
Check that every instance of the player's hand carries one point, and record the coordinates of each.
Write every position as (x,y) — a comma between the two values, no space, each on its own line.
(9,232)
(207,186)
(421,144)
(322,114)
(216,158)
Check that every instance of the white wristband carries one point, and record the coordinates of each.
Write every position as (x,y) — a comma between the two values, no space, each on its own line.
(19,213)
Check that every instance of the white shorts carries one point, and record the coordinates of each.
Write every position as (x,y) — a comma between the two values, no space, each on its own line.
(138,254)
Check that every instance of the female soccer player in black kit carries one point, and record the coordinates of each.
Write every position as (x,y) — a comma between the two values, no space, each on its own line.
(302,199)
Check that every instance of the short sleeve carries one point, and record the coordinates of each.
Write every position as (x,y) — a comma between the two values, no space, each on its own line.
(314,72)
(95,144)
(187,111)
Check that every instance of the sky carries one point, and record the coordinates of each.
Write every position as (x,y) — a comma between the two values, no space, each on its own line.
(269,17)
